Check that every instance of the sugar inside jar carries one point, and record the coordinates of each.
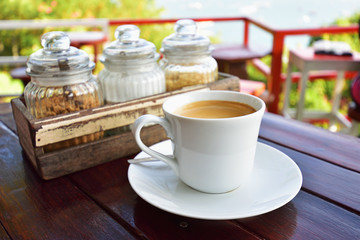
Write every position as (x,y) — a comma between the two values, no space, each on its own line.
(187,57)
(131,68)
(61,82)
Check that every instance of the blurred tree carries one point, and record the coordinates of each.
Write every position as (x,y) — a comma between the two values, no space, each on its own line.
(352,39)
(24,42)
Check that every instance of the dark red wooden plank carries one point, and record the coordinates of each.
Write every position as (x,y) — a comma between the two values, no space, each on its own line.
(339,185)
(301,217)
(337,148)
(152,221)
(306,217)
(3,234)
(109,186)
(31,208)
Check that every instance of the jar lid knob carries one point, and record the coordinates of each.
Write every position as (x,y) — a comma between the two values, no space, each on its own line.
(185,27)
(55,41)
(127,33)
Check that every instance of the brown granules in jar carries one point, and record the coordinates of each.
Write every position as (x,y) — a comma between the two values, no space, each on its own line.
(63,100)
(67,99)
(183,78)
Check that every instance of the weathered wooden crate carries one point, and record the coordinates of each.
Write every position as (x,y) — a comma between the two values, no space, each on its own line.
(113,119)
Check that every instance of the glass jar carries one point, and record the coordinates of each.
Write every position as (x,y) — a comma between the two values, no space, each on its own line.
(61,81)
(187,57)
(131,69)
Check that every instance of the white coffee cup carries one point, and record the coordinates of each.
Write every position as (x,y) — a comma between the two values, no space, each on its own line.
(210,155)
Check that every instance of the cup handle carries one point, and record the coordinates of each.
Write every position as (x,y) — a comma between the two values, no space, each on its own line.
(139,124)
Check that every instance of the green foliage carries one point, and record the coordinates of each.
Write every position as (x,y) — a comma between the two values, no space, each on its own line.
(7,82)
(24,42)
(352,39)
(319,92)
(255,74)
(316,97)
(9,86)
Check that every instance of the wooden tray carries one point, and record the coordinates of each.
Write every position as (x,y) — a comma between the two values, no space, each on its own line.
(113,119)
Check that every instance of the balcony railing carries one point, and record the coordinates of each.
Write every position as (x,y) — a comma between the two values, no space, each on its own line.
(273,73)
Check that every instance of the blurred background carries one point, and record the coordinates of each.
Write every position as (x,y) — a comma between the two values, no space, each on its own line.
(275,13)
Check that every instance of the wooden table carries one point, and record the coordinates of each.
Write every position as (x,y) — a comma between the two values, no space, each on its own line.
(98,203)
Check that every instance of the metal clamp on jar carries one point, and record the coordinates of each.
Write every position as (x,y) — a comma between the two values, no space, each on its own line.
(131,69)
(61,81)
(187,57)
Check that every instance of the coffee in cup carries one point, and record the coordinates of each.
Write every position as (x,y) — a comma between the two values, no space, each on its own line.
(213,147)
(214,109)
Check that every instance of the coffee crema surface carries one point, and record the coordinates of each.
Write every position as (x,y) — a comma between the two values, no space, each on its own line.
(214,109)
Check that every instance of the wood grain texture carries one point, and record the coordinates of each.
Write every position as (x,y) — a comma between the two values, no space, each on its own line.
(336,184)
(34,209)
(24,131)
(63,162)
(108,185)
(3,234)
(99,203)
(336,148)
(37,134)
(306,217)
(76,124)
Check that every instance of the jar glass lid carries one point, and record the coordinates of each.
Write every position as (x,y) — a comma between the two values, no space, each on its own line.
(186,40)
(128,47)
(58,58)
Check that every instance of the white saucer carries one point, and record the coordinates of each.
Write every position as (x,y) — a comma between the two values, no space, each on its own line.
(276,180)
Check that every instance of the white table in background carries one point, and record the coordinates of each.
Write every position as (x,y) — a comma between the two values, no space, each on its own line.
(306,60)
